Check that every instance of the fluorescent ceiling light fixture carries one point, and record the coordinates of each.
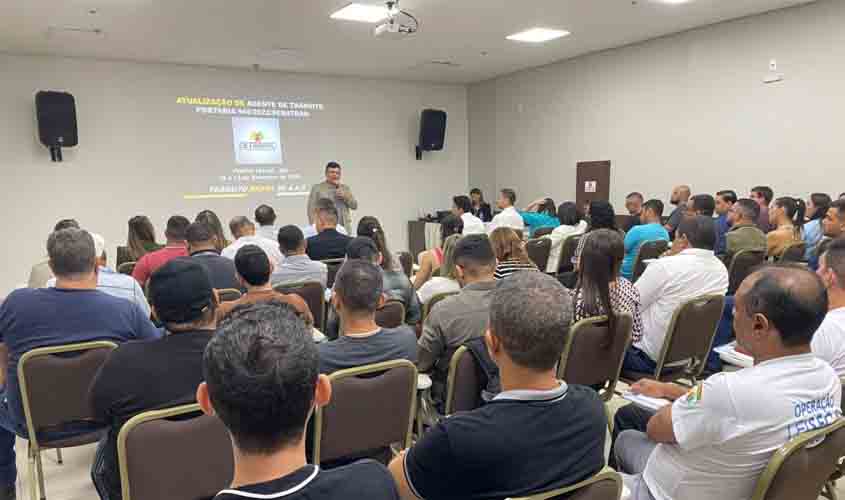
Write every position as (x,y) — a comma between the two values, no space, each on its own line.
(537,35)
(363,13)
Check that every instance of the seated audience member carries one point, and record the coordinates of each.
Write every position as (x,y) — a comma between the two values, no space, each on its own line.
(679,198)
(253,273)
(328,243)
(600,290)
(744,233)
(715,440)
(140,241)
(40,273)
(176,246)
(370,227)
(262,381)
(480,208)
(634,206)
(650,229)
(141,376)
(538,434)
(265,216)
(763,196)
(447,282)
(602,216)
(457,319)
(357,295)
(311,230)
(113,283)
(297,266)
(510,253)
(829,340)
(540,214)
(817,207)
(787,217)
(462,207)
(572,223)
(834,221)
(432,260)
(701,204)
(211,220)
(724,201)
(72,312)
(670,281)
(244,232)
(202,246)
(396,286)
(508,217)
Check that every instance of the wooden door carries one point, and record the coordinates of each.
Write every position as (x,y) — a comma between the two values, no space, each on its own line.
(592,182)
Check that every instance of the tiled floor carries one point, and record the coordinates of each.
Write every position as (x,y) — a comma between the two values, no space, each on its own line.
(72,480)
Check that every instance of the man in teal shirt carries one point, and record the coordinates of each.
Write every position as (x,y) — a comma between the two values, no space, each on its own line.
(540,213)
(650,229)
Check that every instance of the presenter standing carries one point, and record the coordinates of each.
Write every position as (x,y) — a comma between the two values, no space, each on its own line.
(340,194)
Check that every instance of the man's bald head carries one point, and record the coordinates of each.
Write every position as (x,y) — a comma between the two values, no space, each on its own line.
(787,298)
(680,194)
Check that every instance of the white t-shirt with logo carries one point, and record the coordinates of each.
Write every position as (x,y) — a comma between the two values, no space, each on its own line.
(829,340)
(729,427)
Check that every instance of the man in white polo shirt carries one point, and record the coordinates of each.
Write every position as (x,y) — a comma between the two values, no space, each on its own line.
(715,440)
(670,281)
(829,340)
(462,207)
(508,217)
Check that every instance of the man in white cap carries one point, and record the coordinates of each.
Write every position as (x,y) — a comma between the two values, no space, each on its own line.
(114,283)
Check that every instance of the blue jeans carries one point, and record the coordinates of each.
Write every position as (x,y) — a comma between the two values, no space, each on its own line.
(638,361)
(724,334)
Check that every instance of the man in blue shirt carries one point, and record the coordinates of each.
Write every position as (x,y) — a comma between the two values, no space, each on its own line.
(724,201)
(74,311)
(650,229)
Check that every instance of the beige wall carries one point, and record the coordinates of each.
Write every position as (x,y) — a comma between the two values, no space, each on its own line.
(689,108)
(139,151)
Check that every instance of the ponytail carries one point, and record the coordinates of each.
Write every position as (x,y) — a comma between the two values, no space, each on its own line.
(800,212)
(371,228)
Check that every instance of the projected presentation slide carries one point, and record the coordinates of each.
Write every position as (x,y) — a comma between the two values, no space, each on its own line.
(259,164)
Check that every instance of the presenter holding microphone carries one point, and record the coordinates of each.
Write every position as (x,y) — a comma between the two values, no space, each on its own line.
(340,194)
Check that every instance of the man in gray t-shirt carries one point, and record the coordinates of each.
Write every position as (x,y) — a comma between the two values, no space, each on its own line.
(357,295)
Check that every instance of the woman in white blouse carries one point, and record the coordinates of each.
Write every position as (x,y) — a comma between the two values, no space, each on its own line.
(572,223)
(447,282)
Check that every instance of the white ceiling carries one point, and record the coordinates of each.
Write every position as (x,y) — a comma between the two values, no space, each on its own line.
(240,33)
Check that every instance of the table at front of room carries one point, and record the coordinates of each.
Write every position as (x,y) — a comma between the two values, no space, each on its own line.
(422,236)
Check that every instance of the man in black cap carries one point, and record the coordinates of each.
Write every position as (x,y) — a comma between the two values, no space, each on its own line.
(141,376)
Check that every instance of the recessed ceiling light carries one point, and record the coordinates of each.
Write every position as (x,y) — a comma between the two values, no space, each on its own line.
(365,13)
(537,35)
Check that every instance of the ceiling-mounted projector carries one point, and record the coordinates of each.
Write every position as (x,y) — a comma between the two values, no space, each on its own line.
(394,27)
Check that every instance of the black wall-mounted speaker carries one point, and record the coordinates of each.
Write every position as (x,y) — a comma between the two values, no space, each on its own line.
(432,131)
(56,113)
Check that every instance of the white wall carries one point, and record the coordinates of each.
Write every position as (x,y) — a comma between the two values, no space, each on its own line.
(139,151)
(689,108)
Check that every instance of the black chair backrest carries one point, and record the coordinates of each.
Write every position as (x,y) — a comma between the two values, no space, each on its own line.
(538,251)
(464,384)
(313,293)
(794,252)
(543,231)
(126,267)
(692,330)
(742,263)
(228,294)
(593,356)
(333,266)
(649,250)
(567,252)
(391,314)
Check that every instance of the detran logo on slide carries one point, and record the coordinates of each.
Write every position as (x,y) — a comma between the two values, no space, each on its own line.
(257,141)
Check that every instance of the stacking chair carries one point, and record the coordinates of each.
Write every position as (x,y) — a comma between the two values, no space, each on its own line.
(464,383)
(689,339)
(593,355)
(434,300)
(606,485)
(543,231)
(54,383)
(391,314)
(334,267)
(567,252)
(741,266)
(126,268)
(406,260)
(649,250)
(538,251)
(174,454)
(313,293)
(228,294)
(800,469)
(794,252)
(371,408)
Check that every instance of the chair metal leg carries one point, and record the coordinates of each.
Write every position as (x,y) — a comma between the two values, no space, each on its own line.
(40,470)
(59,456)
(30,473)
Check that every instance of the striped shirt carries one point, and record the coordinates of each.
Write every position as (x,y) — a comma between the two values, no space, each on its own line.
(508,267)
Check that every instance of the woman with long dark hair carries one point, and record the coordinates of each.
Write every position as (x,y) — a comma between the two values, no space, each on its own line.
(432,260)
(210,219)
(370,227)
(572,223)
(817,206)
(601,290)
(140,241)
(601,216)
(787,216)
(480,208)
